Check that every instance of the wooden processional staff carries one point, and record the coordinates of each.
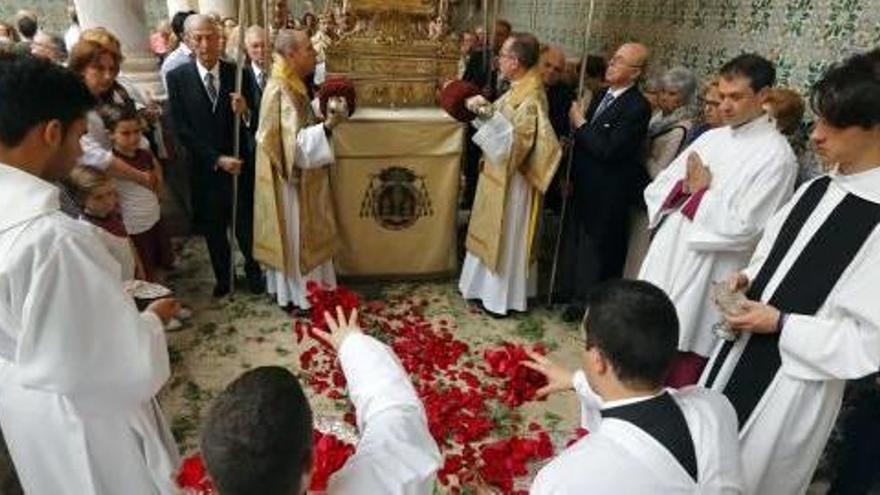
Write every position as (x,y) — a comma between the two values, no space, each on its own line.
(568,162)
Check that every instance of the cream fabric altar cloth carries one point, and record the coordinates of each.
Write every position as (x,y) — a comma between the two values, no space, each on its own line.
(396,191)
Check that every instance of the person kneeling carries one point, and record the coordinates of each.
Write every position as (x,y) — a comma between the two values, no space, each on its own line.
(642,438)
(257,437)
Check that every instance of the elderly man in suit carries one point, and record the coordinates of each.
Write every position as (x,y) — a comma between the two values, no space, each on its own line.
(204,108)
(608,176)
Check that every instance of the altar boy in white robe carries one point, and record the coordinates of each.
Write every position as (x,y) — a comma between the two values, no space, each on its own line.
(257,437)
(642,439)
(710,206)
(295,234)
(520,156)
(812,321)
(79,366)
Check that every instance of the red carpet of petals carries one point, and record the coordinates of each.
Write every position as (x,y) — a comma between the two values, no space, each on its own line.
(470,396)
(462,389)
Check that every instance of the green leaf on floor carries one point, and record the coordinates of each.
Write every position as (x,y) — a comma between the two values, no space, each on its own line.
(530,328)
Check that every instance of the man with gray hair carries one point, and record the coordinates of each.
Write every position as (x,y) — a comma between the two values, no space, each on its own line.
(295,234)
(204,108)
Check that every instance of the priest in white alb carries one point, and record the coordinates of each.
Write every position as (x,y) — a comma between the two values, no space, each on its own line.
(79,365)
(295,231)
(812,321)
(641,437)
(520,157)
(709,207)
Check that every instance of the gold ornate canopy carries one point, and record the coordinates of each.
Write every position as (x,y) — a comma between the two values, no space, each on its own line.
(390,55)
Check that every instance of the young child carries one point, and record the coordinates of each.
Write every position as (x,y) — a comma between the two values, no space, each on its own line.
(95,194)
(139,205)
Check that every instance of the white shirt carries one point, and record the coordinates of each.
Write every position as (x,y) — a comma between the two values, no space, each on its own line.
(258,73)
(619,458)
(396,454)
(215,71)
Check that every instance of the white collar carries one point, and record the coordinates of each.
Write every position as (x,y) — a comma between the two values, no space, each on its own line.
(761,123)
(865,184)
(203,71)
(619,91)
(631,400)
(24,197)
(257,69)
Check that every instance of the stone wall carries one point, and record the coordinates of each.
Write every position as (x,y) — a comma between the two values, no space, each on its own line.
(801,36)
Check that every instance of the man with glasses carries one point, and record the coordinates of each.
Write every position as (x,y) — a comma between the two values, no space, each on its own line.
(520,156)
(607,176)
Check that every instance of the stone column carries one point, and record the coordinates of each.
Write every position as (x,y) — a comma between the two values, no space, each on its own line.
(127,19)
(226,8)
(175,6)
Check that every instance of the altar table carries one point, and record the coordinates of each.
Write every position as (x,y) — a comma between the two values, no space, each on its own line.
(395,187)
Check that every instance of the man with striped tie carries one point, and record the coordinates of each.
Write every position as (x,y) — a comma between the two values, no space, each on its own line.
(203,107)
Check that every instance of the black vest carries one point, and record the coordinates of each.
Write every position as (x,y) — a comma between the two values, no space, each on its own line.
(802,291)
(661,418)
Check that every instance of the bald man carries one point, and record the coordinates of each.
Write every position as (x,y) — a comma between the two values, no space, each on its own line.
(608,177)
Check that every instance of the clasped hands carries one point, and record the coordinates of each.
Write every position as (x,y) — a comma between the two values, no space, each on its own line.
(698,176)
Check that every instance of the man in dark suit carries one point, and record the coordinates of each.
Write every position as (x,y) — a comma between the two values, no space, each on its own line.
(204,107)
(608,177)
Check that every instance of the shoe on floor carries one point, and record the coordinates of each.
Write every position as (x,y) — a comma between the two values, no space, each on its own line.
(220,290)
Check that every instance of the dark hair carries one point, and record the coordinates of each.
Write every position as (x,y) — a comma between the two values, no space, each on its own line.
(526,49)
(257,437)
(758,70)
(27,26)
(112,114)
(178,20)
(848,94)
(635,326)
(507,25)
(32,91)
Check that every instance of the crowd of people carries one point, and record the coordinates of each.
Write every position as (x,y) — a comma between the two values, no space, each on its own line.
(719,367)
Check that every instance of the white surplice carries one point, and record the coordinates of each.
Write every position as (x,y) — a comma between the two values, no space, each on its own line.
(396,454)
(515,281)
(79,366)
(753,172)
(312,151)
(619,458)
(784,437)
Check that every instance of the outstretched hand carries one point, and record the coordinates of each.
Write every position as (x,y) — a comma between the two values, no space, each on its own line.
(559,379)
(340,327)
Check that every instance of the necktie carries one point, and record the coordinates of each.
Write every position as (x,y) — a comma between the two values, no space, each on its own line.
(606,101)
(212,89)
(261,80)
